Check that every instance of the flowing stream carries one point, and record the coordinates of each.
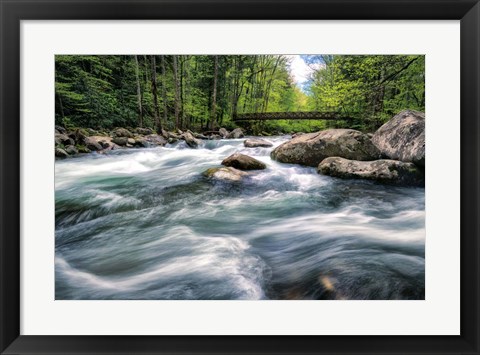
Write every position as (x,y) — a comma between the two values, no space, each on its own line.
(146,224)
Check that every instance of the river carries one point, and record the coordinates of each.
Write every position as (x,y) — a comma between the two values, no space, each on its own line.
(146,224)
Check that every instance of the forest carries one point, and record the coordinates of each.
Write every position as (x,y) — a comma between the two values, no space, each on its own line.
(205,92)
(210,177)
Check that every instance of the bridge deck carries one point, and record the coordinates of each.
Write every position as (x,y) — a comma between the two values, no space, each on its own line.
(263,116)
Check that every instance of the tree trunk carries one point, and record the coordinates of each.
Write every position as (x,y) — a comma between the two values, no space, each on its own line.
(177,92)
(182,75)
(379,94)
(139,94)
(60,106)
(269,84)
(164,90)
(214,95)
(187,97)
(158,124)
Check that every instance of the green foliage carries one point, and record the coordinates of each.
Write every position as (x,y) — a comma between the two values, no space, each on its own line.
(372,88)
(103,92)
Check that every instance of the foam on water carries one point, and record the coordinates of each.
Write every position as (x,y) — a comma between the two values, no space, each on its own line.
(146,224)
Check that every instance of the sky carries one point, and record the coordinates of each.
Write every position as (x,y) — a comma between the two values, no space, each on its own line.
(300,71)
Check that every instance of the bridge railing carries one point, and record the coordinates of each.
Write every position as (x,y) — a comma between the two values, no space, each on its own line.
(299,115)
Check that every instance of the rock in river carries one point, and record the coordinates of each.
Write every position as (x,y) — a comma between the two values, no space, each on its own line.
(243,162)
(71,150)
(60,153)
(121,141)
(310,149)
(225,173)
(191,141)
(223,132)
(92,144)
(236,133)
(256,142)
(403,137)
(384,170)
(63,139)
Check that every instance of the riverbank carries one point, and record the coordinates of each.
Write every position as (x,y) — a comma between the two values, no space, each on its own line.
(394,154)
(74,141)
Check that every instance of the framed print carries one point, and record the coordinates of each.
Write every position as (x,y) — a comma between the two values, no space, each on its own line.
(239,177)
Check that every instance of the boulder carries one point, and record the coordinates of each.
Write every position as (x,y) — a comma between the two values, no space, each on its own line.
(403,137)
(123,132)
(60,153)
(63,139)
(297,134)
(141,142)
(144,131)
(79,135)
(164,133)
(83,149)
(200,136)
(104,143)
(191,141)
(243,162)
(155,139)
(60,129)
(121,141)
(92,144)
(384,170)
(131,141)
(223,132)
(311,148)
(174,135)
(236,133)
(71,150)
(225,173)
(256,142)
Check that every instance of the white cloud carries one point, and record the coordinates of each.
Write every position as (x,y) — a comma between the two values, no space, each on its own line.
(301,71)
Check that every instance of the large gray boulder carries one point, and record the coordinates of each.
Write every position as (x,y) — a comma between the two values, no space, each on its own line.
(191,141)
(63,139)
(60,129)
(121,141)
(60,153)
(385,171)
(71,150)
(155,139)
(310,149)
(403,137)
(92,144)
(225,174)
(243,162)
(256,142)
(236,133)
(223,132)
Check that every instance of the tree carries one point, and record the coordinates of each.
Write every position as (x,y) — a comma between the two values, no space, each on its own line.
(139,93)
(214,93)
(177,91)
(204,92)
(164,89)
(158,123)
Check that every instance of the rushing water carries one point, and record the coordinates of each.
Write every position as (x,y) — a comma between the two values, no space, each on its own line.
(146,224)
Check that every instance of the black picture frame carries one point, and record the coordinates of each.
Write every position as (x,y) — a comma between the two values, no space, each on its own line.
(13,11)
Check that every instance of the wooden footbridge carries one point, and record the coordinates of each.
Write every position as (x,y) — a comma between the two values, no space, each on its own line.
(313,115)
